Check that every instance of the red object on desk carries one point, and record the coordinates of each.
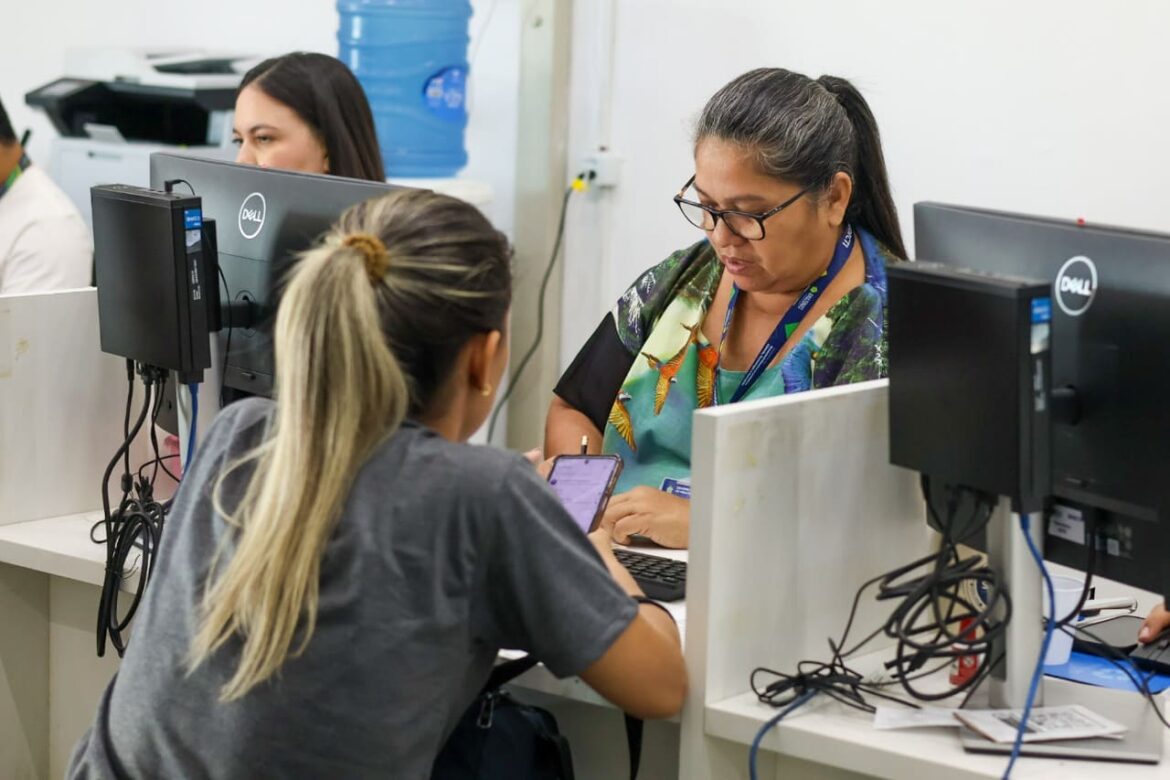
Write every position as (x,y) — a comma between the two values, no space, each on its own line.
(964,667)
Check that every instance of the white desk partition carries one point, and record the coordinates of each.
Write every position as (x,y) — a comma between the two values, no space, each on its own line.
(61,405)
(794,506)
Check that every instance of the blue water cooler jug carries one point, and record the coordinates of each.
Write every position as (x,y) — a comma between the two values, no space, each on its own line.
(411,58)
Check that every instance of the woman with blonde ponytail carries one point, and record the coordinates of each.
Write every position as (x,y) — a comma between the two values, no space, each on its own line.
(340,567)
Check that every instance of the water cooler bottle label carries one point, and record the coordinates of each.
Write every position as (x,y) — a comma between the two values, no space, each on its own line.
(445,92)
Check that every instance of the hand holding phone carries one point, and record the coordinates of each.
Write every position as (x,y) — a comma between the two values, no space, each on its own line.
(584,484)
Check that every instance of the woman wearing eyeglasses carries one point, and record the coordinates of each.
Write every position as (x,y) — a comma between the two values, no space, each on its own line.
(785,293)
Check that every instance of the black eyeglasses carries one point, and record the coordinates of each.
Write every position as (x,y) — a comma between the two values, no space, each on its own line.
(743,223)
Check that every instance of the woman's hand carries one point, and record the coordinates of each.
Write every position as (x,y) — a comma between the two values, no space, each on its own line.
(542,465)
(660,517)
(1156,622)
(604,544)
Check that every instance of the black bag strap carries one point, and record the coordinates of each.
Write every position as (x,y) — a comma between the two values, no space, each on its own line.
(634,743)
(504,673)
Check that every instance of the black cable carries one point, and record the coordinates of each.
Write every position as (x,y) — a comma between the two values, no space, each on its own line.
(921,626)
(126,421)
(169,185)
(123,451)
(227,350)
(158,399)
(138,530)
(1126,665)
(1090,517)
(159,461)
(552,261)
(127,480)
(110,518)
(930,600)
(136,526)
(834,679)
(916,676)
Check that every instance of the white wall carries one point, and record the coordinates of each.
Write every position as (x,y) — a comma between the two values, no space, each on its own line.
(1054,107)
(37,34)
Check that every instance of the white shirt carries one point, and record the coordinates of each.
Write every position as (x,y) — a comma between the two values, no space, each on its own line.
(44,242)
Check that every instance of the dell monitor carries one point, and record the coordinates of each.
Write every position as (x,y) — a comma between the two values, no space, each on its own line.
(1110,342)
(263,218)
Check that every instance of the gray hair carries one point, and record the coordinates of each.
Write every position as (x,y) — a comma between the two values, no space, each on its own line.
(806,131)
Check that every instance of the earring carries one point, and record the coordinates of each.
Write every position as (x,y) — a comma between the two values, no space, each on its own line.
(486,390)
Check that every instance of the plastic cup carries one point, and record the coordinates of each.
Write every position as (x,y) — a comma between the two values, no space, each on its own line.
(1068,593)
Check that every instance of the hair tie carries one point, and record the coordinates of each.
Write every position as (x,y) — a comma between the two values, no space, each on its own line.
(374,252)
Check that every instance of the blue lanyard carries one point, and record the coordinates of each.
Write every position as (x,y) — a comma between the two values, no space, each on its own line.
(788,323)
(20,168)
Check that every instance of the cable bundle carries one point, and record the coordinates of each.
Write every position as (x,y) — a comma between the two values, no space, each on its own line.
(958,607)
(135,527)
(923,624)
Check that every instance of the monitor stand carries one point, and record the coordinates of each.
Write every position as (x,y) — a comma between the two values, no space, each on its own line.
(1008,554)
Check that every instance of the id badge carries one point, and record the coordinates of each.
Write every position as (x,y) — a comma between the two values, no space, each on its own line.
(677,487)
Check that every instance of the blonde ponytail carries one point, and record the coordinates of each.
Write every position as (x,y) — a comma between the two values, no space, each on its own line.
(340,392)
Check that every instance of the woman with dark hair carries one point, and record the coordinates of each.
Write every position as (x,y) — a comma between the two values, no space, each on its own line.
(787,291)
(341,568)
(306,112)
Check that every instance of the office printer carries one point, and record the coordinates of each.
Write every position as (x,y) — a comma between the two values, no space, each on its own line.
(117,106)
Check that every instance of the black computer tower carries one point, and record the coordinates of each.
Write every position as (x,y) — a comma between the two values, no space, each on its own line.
(970,374)
(152,278)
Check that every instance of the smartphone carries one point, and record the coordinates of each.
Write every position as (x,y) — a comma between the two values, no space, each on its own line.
(584,484)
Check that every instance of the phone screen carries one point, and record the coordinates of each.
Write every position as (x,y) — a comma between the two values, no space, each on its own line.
(583,483)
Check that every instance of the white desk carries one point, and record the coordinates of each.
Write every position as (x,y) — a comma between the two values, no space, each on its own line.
(50,581)
(781,542)
(828,733)
(831,734)
(59,547)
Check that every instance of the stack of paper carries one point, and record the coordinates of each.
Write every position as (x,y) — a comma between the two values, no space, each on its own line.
(1044,724)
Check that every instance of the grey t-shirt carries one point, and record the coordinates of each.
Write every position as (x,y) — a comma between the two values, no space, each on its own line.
(444,554)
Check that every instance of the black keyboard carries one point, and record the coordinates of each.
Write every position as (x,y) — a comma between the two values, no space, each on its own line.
(662,579)
(1153,656)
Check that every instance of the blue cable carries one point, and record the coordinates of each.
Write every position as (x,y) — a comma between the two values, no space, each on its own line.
(194,389)
(1025,526)
(768,727)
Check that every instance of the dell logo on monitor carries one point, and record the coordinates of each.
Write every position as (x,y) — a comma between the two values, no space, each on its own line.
(1076,285)
(252,215)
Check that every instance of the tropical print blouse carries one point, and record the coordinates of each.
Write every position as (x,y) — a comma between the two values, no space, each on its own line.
(653,348)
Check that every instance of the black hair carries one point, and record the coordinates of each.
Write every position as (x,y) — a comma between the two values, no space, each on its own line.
(7,134)
(806,131)
(326,95)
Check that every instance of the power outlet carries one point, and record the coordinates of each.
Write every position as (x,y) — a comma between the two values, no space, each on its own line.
(605,166)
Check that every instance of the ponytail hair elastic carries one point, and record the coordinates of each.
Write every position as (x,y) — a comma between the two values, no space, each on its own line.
(374,252)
